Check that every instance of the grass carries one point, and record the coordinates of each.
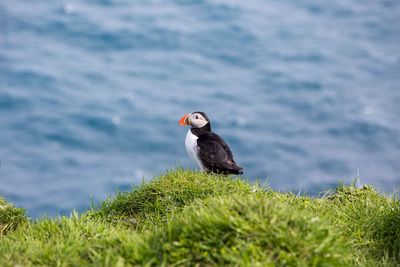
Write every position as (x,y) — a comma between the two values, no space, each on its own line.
(150,204)
(186,218)
(10,217)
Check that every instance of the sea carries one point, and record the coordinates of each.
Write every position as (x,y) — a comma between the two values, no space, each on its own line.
(306,94)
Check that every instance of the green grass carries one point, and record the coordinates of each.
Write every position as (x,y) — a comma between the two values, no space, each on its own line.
(149,204)
(186,218)
(10,217)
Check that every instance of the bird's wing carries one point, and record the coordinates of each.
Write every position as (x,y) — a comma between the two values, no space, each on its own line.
(215,154)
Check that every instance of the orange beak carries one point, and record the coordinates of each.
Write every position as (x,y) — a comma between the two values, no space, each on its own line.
(184,120)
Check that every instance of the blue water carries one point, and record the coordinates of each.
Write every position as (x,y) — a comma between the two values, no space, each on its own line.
(307,93)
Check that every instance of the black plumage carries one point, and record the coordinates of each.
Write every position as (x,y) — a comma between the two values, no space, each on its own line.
(213,152)
(216,155)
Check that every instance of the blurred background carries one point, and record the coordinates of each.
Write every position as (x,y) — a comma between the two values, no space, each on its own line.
(305,92)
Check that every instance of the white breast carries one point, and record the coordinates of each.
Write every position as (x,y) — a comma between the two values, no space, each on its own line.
(192,148)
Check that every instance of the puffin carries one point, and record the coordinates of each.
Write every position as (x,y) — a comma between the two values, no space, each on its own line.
(207,149)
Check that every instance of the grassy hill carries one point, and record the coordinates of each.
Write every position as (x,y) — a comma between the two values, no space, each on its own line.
(186,218)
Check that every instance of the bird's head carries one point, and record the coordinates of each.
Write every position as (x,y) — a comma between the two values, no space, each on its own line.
(195,119)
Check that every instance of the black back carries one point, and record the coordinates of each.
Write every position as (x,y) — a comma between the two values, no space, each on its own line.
(215,154)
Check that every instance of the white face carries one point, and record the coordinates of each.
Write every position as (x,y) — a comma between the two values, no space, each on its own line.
(197,120)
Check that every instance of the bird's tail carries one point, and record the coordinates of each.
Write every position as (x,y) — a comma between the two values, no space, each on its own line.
(236,169)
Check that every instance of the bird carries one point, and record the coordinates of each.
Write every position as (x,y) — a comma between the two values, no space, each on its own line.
(207,149)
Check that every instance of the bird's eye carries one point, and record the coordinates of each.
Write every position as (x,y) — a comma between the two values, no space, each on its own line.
(197,117)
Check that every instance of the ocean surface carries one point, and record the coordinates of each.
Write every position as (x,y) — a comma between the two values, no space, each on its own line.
(306,93)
